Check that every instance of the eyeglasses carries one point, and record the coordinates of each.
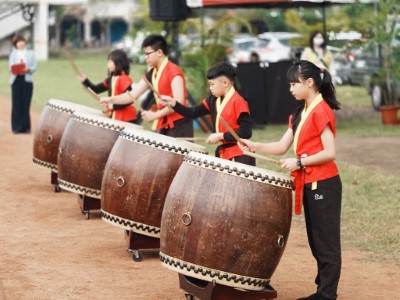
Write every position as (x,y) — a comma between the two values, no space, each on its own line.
(148,53)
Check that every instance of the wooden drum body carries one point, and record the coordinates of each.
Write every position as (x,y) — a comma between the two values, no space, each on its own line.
(138,174)
(226,221)
(49,130)
(83,152)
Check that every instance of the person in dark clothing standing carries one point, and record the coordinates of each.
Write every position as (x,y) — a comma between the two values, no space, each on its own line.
(22,64)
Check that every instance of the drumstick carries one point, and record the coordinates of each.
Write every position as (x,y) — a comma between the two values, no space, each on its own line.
(192,139)
(73,65)
(93,94)
(231,131)
(248,153)
(155,91)
(151,87)
(252,154)
(133,100)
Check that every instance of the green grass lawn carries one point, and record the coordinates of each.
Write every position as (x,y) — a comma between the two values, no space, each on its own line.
(371,206)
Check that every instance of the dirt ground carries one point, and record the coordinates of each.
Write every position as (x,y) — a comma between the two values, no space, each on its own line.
(49,251)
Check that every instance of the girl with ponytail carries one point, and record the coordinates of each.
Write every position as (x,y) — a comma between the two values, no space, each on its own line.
(317,183)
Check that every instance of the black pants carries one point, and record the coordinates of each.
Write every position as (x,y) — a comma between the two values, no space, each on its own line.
(182,128)
(21,95)
(322,209)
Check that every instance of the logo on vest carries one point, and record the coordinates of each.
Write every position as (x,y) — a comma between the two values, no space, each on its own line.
(319,197)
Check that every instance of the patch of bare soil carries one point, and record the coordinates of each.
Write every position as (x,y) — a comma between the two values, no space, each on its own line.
(49,251)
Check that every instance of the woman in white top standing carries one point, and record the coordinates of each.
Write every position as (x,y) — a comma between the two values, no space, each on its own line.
(318,54)
(22,64)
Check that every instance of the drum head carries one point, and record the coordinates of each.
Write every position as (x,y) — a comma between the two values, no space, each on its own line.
(239,169)
(70,107)
(103,121)
(162,141)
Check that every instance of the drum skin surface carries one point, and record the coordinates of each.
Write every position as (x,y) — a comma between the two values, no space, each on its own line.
(49,130)
(138,174)
(83,152)
(226,221)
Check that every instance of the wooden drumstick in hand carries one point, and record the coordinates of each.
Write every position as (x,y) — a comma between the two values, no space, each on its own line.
(248,153)
(155,91)
(151,87)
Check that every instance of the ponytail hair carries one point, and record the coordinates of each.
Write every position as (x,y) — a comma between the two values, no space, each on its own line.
(303,69)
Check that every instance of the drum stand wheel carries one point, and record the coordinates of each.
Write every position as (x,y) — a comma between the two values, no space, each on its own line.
(87,204)
(189,296)
(136,241)
(137,255)
(54,182)
(200,289)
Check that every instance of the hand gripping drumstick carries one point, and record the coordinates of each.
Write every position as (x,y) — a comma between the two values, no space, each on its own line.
(155,91)
(248,153)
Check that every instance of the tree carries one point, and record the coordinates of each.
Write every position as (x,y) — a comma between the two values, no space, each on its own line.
(384,36)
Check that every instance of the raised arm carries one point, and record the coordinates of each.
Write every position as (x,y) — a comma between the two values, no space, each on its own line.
(139,89)
(273,148)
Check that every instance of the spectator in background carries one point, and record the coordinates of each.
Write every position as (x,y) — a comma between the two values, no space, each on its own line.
(318,54)
(22,64)
(254,57)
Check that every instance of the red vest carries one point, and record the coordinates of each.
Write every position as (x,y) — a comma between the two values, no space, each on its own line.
(309,142)
(230,113)
(164,88)
(122,84)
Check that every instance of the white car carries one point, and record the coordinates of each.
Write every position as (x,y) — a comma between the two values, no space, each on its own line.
(241,48)
(276,46)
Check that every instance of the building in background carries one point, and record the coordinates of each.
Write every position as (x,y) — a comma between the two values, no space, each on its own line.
(51,24)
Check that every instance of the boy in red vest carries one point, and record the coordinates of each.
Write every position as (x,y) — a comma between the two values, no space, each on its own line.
(223,102)
(167,79)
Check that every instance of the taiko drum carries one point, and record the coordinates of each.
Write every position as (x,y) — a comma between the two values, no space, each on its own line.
(226,221)
(138,174)
(84,149)
(49,130)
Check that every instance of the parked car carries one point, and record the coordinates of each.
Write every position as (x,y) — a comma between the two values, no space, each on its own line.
(376,87)
(364,65)
(342,67)
(276,46)
(241,48)
(365,71)
(376,92)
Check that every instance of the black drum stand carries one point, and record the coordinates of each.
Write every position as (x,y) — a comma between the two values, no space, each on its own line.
(203,290)
(136,241)
(87,204)
(54,181)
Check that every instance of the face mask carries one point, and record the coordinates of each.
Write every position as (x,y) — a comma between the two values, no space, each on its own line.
(318,41)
